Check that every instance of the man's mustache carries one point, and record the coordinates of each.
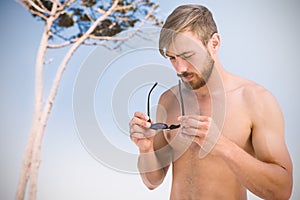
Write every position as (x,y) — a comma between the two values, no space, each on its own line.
(185,74)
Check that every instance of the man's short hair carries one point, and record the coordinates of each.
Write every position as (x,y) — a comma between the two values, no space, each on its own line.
(195,18)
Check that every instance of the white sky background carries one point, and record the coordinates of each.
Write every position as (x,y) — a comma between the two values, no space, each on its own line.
(260,41)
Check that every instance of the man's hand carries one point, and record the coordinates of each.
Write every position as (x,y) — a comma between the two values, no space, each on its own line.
(201,130)
(195,127)
(140,132)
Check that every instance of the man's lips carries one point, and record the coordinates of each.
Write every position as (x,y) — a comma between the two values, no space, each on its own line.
(186,76)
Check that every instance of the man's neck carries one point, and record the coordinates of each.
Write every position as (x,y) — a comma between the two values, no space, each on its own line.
(215,84)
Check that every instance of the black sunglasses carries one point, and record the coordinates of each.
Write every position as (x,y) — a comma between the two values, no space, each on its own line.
(163,126)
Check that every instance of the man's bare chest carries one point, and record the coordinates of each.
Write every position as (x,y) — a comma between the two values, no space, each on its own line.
(230,116)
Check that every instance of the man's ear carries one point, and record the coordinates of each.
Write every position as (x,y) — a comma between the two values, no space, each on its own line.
(214,43)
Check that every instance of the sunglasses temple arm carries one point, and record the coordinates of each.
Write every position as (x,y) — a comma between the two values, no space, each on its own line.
(181,99)
(148,101)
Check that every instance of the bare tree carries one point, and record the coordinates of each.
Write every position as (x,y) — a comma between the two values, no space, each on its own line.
(72,23)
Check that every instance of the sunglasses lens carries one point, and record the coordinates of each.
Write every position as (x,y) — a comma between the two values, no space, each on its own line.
(159,126)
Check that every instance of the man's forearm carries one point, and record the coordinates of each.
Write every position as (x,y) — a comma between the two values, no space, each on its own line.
(151,170)
(267,180)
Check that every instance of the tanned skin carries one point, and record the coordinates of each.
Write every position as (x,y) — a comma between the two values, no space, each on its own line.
(250,151)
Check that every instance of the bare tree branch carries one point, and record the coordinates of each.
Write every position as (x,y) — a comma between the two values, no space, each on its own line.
(89,16)
(108,38)
(40,4)
(57,46)
(101,11)
(68,3)
(37,7)
(39,14)
(125,7)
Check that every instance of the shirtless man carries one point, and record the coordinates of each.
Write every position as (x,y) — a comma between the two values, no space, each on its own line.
(247,149)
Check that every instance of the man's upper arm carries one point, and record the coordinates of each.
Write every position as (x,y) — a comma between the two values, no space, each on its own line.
(268,130)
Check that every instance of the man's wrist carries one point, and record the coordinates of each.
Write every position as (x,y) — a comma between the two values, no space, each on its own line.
(222,148)
(148,162)
(143,151)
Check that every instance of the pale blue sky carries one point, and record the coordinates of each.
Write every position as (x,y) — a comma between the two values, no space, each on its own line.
(260,41)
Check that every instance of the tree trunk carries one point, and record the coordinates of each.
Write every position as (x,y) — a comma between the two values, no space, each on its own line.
(26,165)
(38,108)
(31,162)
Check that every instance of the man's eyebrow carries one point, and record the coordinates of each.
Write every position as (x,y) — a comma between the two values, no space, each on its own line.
(168,55)
(178,55)
(186,52)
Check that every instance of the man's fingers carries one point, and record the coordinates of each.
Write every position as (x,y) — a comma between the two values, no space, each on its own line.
(193,132)
(142,134)
(137,135)
(197,122)
(141,115)
(140,122)
(194,117)
(137,129)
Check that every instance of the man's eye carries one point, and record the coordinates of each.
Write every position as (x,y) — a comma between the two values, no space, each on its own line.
(171,58)
(186,56)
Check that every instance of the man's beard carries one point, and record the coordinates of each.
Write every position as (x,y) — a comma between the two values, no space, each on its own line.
(199,79)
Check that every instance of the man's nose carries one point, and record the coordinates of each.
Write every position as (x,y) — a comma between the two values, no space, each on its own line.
(180,65)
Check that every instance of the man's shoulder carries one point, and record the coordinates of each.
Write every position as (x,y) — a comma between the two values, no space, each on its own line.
(246,86)
(169,96)
(171,92)
(255,94)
